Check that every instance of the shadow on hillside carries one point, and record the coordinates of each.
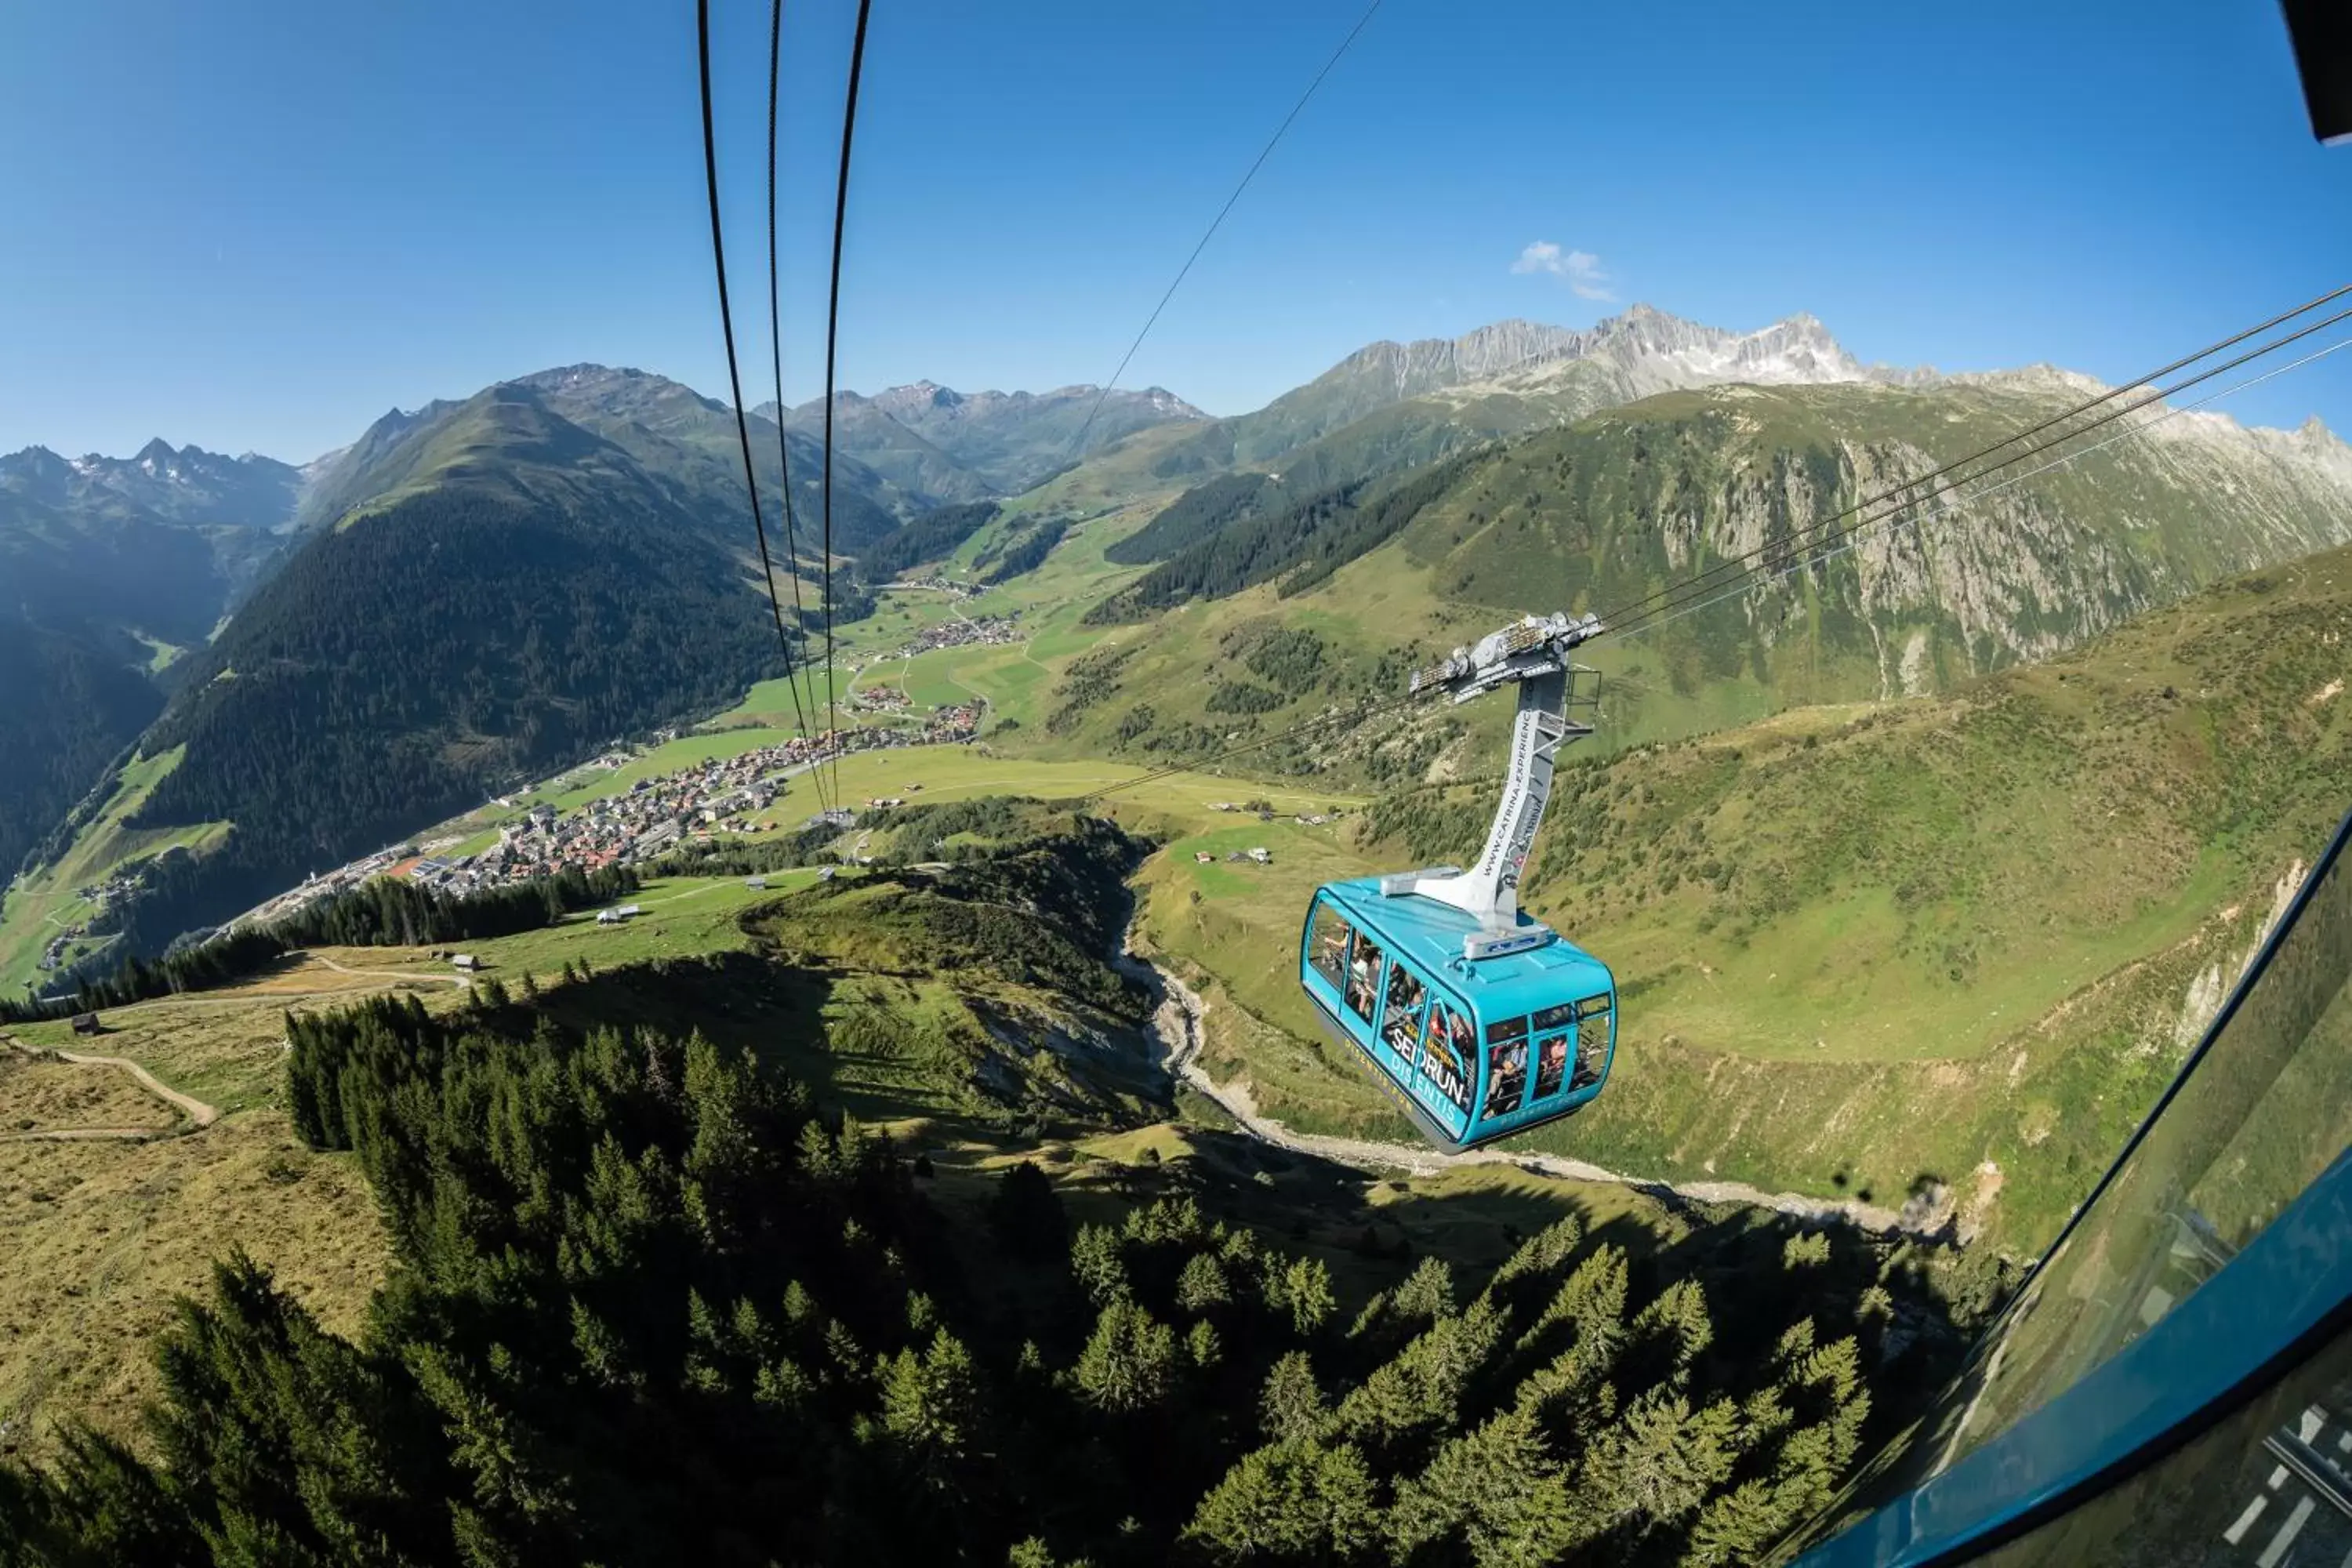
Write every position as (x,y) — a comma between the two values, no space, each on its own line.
(778,1011)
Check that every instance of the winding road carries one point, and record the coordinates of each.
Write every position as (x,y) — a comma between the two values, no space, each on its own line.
(199,1114)
(1177,1022)
(383,973)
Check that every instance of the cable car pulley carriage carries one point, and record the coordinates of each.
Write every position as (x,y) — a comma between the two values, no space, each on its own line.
(1480,1021)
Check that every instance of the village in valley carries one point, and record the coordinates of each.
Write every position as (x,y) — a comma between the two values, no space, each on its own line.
(628,828)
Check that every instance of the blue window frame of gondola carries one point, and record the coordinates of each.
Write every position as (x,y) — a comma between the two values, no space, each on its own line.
(1445,1081)
(1326,944)
(1596,1040)
(1555,1042)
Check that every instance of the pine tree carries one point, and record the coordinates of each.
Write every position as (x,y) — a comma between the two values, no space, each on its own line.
(930,1402)
(1659,1462)
(1298,1503)
(1498,1490)
(1291,1406)
(1301,1289)
(1129,1362)
(1095,1260)
(1427,1295)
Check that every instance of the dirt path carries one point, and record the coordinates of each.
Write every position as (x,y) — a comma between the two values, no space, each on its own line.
(198,1114)
(384,973)
(1177,1022)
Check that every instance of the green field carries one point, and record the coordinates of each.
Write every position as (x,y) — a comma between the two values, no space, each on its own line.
(965,772)
(1859,949)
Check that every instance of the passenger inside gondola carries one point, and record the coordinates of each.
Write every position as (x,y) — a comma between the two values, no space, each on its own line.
(1507,1064)
(1401,1025)
(1552,1067)
(1327,947)
(1363,979)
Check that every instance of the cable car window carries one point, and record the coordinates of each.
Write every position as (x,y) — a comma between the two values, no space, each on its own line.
(1364,978)
(1445,1054)
(1592,1041)
(1400,1025)
(1326,945)
(1557,1017)
(1551,1065)
(1507,1072)
(1502,1029)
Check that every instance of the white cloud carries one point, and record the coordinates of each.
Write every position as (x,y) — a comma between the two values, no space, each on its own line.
(1579,270)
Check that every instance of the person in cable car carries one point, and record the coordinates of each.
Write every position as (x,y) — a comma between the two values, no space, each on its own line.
(1363,979)
(1506,1069)
(1552,1067)
(1401,1022)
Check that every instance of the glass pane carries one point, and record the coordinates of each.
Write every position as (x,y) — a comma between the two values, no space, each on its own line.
(1327,945)
(1555,1017)
(1364,979)
(2270,1488)
(1591,1050)
(1401,1024)
(1551,1065)
(1445,1055)
(1507,1074)
(1506,1029)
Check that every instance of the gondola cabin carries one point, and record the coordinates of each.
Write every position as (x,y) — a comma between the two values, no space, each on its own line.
(1472,1049)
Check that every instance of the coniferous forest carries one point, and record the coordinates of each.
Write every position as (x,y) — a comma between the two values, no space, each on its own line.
(67,707)
(653,1304)
(323,737)
(385,912)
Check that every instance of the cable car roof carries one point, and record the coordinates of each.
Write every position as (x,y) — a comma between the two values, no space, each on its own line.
(1429,935)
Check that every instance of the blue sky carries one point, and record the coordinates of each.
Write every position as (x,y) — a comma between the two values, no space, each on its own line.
(256,223)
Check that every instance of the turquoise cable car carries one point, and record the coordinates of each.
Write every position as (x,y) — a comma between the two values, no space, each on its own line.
(1478,1021)
(1471,1051)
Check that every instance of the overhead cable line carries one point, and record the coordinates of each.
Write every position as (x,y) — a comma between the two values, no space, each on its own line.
(1625,615)
(832,340)
(1103,393)
(726,326)
(776,357)
(1850,539)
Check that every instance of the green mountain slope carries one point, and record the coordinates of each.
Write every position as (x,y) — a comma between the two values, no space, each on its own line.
(1957,940)
(527,592)
(68,706)
(1607,512)
(683,443)
(1389,406)
(108,568)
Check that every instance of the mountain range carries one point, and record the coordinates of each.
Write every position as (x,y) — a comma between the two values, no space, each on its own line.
(487,584)
(952,446)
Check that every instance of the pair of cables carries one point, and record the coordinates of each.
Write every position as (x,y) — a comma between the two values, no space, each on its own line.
(829,748)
